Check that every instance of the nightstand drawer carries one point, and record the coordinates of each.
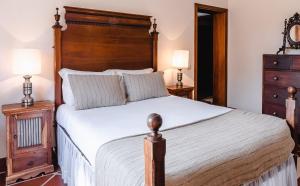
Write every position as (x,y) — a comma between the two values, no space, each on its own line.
(30,160)
(184,91)
(181,94)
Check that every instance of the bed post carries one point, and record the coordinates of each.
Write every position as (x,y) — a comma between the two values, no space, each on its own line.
(291,117)
(57,59)
(154,35)
(154,152)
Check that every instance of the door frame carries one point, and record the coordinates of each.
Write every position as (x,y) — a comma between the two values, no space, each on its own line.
(220,51)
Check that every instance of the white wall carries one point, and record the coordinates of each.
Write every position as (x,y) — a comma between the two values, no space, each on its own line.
(28,24)
(254,29)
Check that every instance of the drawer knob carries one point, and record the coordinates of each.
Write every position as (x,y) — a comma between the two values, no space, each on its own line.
(275,114)
(275,78)
(275,62)
(15,136)
(275,96)
(30,163)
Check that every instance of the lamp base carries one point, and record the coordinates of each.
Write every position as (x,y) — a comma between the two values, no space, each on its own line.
(27,101)
(27,91)
(179,84)
(179,78)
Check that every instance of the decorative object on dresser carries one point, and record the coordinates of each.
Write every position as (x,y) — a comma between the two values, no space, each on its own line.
(29,140)
(180,61)
(291,33)
(279,72)
(27,62)
(184,91)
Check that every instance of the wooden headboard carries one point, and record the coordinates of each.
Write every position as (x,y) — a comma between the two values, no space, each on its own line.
(96,40)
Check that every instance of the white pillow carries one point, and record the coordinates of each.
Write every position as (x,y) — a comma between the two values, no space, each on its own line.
(121,72)
(67,93)
(145,86)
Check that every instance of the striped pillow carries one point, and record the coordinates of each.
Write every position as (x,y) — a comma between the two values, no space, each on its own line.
(92,91)
(145,86)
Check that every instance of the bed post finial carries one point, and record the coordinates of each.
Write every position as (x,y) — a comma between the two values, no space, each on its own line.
(154,35)
(57,19)
(154,25)
(154,122)
(154,152)
(292,91)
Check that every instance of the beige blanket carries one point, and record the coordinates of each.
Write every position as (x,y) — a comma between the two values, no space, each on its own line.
(231,149)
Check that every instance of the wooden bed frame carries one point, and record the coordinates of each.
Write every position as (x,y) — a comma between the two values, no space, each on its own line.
(97,40)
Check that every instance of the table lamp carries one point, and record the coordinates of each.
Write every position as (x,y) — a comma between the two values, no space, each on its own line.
(27,62)
(180,61)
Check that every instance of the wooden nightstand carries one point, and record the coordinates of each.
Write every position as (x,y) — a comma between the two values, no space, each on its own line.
(29,140)
(184,91)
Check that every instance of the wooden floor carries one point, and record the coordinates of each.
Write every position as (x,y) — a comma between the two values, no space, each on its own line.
(53,179)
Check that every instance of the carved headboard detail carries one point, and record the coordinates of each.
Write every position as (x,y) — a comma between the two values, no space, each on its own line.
(96,40)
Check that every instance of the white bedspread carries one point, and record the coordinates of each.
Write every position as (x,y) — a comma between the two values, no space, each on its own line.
(89,129)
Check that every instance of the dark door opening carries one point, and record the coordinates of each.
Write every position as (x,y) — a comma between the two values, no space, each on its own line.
(210,79)
(205,57)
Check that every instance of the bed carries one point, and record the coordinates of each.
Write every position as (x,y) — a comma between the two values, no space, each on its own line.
(199,144)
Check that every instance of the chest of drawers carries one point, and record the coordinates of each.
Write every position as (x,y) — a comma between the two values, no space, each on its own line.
(279,72)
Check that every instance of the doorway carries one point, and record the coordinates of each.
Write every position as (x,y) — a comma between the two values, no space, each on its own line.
(210,54)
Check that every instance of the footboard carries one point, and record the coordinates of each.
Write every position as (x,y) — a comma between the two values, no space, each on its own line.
(155,144)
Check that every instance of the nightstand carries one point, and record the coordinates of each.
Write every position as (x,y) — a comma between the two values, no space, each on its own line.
(184,91)
(29,140)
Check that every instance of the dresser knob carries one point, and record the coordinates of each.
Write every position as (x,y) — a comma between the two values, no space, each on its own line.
(274,113)
(30,163)
(275,96)
(275,78)
(275,62)
(15,136)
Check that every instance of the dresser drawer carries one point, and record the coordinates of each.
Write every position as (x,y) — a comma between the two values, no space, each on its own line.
(296,63)
(274,110)
(277,95)
(282,78)
(277,62)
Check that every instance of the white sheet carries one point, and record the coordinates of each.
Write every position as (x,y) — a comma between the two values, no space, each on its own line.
(89,129)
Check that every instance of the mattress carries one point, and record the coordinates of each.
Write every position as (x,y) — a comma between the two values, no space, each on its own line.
(92,128)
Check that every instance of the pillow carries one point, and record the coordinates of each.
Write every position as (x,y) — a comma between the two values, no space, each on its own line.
(92,91)
(66,89)
(145,86)
(121,72)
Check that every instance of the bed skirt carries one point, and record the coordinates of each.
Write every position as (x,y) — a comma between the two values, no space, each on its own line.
(77,171)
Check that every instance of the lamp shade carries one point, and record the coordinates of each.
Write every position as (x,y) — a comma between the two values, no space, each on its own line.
(26,61)
(180,59)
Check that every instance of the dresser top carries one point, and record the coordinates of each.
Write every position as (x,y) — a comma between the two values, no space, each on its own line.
(18,108)
(283,55)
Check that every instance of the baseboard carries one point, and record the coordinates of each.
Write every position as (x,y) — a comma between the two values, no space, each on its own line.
(2,165)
